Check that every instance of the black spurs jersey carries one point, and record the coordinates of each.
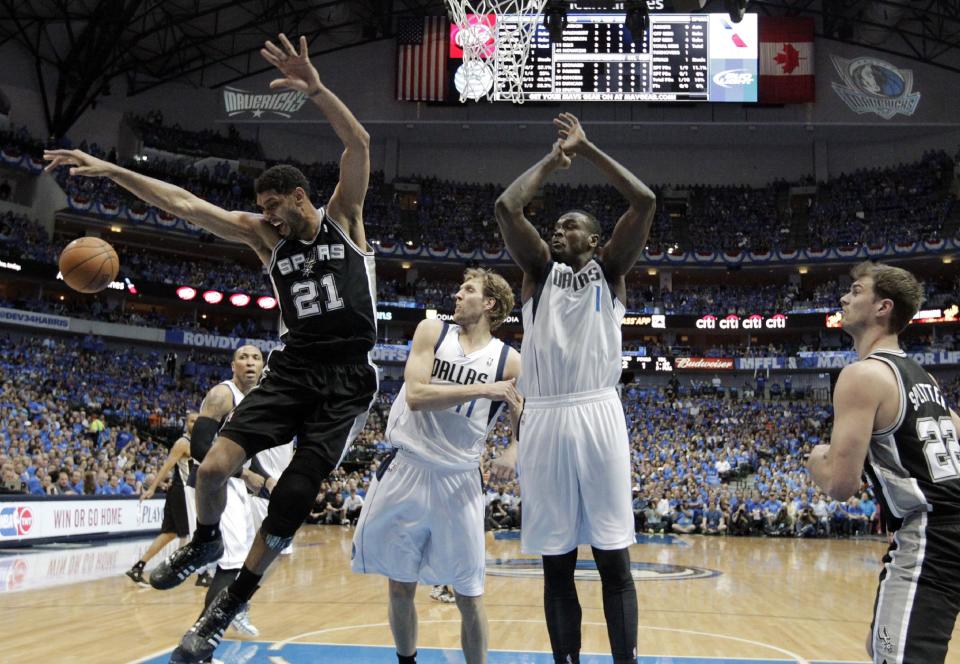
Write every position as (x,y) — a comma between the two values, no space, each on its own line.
(914,464)
(326,290)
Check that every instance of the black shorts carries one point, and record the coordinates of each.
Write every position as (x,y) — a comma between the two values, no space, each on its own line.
(324,405)
(175,512)
(919,593)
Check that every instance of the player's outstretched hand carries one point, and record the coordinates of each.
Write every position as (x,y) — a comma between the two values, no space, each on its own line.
(146,495)
(299,73)
(515,404)
(504,390)
(561,160)
(80,162)
(572,136)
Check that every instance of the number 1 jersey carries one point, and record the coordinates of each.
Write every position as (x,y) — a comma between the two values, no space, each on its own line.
(326,291)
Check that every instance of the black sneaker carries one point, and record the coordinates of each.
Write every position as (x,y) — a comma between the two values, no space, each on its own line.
(203,580)
(185,561)
(136,575)
(198,644)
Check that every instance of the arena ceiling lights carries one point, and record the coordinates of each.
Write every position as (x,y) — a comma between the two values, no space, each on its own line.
(212,297)
(238,300)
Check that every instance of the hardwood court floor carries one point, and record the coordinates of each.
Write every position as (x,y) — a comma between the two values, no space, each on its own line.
(769,599)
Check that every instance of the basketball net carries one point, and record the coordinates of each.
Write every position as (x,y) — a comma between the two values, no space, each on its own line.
(494,51)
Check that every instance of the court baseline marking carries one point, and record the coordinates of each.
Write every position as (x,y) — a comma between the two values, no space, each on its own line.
(790,655)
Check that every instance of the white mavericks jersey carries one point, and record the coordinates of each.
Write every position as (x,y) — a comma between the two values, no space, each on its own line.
(237,394)
(571,334)
(453,437)
(276,459)
(237,398)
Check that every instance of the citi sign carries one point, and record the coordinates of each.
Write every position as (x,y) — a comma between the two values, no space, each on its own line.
(15,521)
(735,322)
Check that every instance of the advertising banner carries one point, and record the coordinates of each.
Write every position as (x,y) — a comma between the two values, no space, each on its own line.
(205,340)
(26,518)
(33,319)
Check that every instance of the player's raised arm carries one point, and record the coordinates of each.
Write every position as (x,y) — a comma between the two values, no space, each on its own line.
(630,235)
(524,243)
(423,395)
(235,226)
(346,204)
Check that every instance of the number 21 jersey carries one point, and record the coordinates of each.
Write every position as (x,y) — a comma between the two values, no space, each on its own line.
(326,290)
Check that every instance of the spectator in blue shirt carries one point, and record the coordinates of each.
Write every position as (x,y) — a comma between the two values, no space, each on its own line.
(713,522)
(683,521)
(869,507)
(858,521)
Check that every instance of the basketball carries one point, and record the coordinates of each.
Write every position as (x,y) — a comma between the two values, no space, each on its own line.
(88,264)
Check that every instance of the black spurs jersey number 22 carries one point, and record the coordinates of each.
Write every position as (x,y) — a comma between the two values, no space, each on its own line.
(916,461)
(325,290)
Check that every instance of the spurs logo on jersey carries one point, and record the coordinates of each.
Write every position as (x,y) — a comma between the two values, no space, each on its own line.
(914,464)
(325,288)
(453,437)
(571,333)
(306,261)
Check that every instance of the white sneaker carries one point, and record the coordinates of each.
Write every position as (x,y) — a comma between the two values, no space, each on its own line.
(436,592)
(242,624)
(237,652)
(447,598)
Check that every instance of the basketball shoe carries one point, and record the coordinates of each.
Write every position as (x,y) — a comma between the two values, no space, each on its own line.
(243,625)
(136,575)
(185,561)
(198,644)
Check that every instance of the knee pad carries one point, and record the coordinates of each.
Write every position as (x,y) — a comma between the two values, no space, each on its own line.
(614,567)
(290,503)
(275,542)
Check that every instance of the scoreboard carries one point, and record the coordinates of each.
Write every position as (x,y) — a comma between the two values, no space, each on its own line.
(682,57)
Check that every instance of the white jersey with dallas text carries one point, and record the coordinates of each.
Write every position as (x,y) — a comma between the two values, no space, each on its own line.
(453,437)
(571,333)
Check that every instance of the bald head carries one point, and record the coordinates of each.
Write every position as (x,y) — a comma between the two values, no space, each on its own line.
(247,349)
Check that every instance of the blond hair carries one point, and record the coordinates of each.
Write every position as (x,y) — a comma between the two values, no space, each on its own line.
(496,287)
(896,284)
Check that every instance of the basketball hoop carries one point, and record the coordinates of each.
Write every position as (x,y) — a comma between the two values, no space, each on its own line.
(494,51)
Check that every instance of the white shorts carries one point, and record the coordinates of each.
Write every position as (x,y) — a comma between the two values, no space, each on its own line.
(236,525)
(573,465)
(258,510)
(423,524)
(190,495)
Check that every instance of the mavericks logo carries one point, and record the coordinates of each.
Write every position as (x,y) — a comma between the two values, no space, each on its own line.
(587,570)
(875,86)
(237,102)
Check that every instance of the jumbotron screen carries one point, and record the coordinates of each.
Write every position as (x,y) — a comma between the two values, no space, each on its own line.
(683,57)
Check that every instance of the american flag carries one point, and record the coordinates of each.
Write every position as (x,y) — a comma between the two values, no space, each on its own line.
(422,58)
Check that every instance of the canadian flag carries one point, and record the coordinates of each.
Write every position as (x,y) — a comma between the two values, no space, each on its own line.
(786,60)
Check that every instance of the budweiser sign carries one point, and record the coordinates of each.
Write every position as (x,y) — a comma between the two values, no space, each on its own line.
(703,363)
